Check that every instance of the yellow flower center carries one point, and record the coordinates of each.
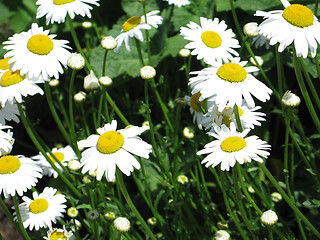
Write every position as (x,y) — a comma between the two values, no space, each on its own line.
(57,236)
(61,2)
(211,39)
(232,72)
(298,15)
(58,155)
(9,164)
(110,142)
(131,23)
(194,100)
(233,144)
(40,44)
(4,65)
(38,206)
(10,78)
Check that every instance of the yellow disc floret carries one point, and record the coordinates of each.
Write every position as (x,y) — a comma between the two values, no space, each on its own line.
(110,142)
(232,72)
(38,206)
(4,65)
(298,15)
(40,44)
(61,2)
(211,39)
(131,23)
(233,144)
(9,164)
(10,78)
(58,236)
(58,155)
(194,101)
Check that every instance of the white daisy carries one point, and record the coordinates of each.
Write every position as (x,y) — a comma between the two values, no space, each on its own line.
(133,26)
(6,140)
(296,23)
(63,155)
(43,210)
(9,111)
(57,10)
(13,86)
(37,53)
(229,83)
(59,233)
(195,110)
(249,117)
(178,3)
(110,148)
(17,174)
(211,41)
(231,146)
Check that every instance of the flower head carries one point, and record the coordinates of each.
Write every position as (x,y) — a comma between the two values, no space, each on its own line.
(231,146)
(58,234)
(76,61)
(133,26)
(57,10)
(109,43)
(37,53)
(110,148)
(251,29)
(295,24)
(269,218)
(43,210)
(147,72)
(290,99)
(17,174)
(6,140)
(222,235)
(63,155)
(121,224)
(211,41)
(91,82)
(229,84)
(105,81)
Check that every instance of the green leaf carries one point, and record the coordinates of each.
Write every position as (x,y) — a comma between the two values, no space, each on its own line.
(254,5)
(222,5)
(173,46)
(21,20)
(4,13)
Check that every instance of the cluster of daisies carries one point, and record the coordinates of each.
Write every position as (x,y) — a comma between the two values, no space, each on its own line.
(222,100)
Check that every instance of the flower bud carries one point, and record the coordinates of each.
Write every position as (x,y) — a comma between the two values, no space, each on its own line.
(109,215)
(74,165)
(80,96)
(188,132)
(147,72)
(182,179)
(76,61)
(251,29)
(269,218)
(290,99)
(276,197)
(72,212)
(109,43)
(91,82)
(86,25)
(259,60)
(105,81)
(222,235)
(152,221)
(184,52)
(54,82)
(121,224)
(92,215)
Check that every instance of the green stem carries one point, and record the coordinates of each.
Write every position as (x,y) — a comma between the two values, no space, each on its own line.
(9,215)
(279,70)
(236,113)
(235,19)
(18,214)
(76,41)
(304,91)
(84,119)
(71,87)
(116,109)
(104,63)
(288,200)
(139,52)
(131,205)
(147,33)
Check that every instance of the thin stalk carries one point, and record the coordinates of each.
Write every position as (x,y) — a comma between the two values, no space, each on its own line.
(84,119)
(116,109)
(288,200)
(104,62)
(18,214)
(236,113)
(235,19)
(9,215)
(58,121)
(304,91)
(76,41)
(139,52)
(71,87)
(279,71)
(131,205)
(147,33)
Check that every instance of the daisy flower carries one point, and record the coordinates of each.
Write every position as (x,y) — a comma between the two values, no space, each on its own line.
(295,24)
(231,146)
(9,111)
(229,83)
(57,10)
(6,140)
(14,85)
(17,174)
(63,155)
(249,117)
(211,41)
(110,148)
(195,110)
(37,53)
(58,233)
(133,26)
(178,3)
(43,210)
